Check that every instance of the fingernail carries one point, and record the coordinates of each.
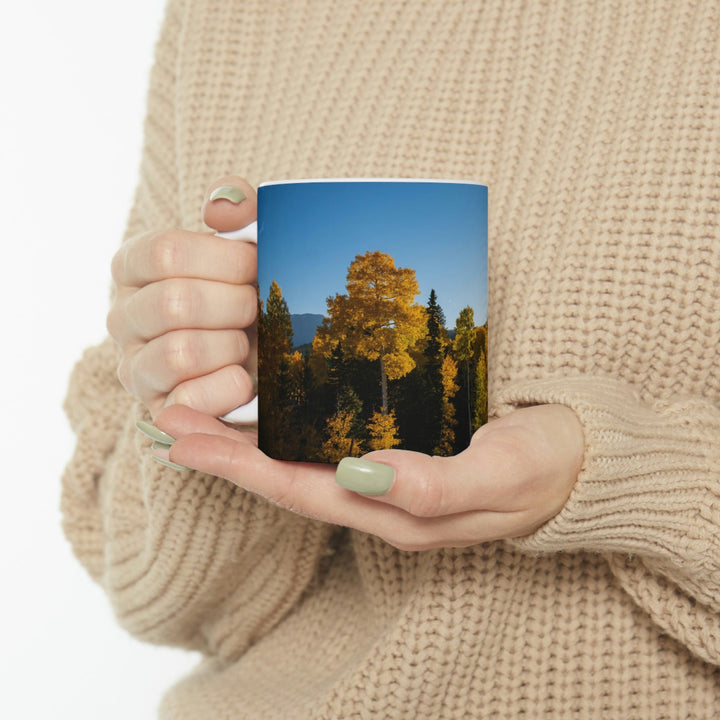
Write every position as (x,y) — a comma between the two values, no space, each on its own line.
(364,476)
(169,464)
(228,192)
(161,446)
(153,433)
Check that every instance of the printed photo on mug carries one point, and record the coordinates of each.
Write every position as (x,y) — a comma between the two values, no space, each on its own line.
(372,317)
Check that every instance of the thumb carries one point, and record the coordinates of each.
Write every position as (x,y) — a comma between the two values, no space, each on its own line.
(421,485)
(230,204)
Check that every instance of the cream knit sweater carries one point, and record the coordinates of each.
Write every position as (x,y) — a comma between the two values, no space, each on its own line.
(597,128)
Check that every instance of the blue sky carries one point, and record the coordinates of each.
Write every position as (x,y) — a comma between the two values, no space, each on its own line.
(309,233)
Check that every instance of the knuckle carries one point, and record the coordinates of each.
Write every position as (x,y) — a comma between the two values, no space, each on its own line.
(520,465)
(166,254)
(175,302)
(180,353)
(428,495)
(508,451)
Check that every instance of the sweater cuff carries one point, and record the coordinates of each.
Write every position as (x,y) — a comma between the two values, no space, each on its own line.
(649,481)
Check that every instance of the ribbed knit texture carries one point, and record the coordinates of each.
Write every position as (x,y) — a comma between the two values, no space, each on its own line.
(597,128)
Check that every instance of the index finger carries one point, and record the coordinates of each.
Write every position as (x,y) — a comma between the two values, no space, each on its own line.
(177,253)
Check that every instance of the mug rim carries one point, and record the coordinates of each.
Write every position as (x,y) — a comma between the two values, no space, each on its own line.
(299,181)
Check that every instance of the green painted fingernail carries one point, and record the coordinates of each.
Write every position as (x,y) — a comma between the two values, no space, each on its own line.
(152,432)
(169,464)
(228,192)
(161,446)
(364,476)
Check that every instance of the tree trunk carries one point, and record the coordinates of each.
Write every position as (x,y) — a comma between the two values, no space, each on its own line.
(383,387)
(469,409)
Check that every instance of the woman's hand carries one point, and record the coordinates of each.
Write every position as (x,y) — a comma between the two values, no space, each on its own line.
(517,473)
(184,309)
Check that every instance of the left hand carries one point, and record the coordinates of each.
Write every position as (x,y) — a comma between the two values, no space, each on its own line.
(516,474)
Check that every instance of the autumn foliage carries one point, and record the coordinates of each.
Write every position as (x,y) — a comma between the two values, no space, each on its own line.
(382,371)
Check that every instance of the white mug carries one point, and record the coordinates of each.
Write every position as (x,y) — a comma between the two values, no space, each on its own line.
(372,331)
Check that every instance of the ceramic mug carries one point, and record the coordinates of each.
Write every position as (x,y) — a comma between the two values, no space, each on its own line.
(372,320)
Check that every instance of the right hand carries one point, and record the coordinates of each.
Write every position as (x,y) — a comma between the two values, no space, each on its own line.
(184,311)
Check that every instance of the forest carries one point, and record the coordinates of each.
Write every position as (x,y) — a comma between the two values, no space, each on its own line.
(382,371)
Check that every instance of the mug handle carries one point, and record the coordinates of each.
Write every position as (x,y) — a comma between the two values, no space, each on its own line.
(245,414)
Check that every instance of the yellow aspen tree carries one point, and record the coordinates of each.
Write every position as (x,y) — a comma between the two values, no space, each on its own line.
(383,431)
(463,352)
(450,387)
(339,442)
(377,319)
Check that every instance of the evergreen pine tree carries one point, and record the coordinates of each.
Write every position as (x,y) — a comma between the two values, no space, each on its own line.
(463,353)
(433,380)
(275,337)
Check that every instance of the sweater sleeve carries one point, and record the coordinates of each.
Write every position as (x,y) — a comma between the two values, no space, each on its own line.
(186,559)
(647,497)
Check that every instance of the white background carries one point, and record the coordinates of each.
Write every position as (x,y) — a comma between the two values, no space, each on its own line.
(73,79)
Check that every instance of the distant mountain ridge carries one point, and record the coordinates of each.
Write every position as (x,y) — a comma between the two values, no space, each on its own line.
(304,327)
